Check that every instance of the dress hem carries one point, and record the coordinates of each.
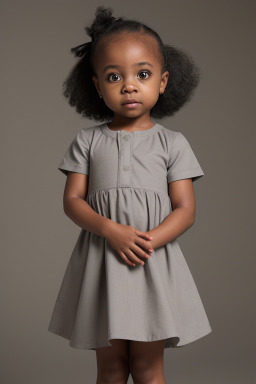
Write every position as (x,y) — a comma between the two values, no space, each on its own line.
(168,343)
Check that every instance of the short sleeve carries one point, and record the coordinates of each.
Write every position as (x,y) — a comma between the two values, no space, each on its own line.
(182,163)
(76,158)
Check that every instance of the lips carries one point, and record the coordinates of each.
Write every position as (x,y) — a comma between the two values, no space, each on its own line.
(131,101)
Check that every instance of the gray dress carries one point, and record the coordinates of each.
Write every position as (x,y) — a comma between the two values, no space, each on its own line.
(102,297)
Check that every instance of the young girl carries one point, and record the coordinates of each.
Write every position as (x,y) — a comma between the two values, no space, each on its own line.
(127,292)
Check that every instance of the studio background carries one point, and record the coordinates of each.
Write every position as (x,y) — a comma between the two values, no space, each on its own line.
(37,125)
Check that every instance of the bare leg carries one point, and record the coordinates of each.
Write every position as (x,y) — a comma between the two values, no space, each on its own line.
(113,363)
(146,362)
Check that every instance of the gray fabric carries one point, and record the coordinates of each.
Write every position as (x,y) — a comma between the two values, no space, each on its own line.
(101,297)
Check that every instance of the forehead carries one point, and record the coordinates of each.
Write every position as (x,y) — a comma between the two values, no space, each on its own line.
(126,48)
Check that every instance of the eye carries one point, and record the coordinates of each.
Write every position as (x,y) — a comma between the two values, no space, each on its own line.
(147,72)
(112,74)
(115,76)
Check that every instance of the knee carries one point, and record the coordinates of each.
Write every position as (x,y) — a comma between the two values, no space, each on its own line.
(142,371)
(114,373)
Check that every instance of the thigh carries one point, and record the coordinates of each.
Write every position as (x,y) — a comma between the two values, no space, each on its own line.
(113,358)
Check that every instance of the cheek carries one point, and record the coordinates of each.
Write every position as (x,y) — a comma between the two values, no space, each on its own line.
(153,86)
(111,90)
(112,96)
(153,92)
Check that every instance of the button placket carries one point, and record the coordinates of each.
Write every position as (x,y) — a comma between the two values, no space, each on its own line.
(125,168)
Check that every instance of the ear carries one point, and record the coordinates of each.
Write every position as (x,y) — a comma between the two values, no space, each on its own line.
(164,81)
(96,83)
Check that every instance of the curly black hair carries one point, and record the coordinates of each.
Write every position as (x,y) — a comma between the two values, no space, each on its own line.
(81,93)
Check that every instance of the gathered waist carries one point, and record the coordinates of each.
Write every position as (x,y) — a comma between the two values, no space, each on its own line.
(122,188)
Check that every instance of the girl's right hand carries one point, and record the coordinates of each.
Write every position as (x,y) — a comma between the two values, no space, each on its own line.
(127,240)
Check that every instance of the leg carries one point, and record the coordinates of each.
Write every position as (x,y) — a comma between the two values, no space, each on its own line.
(146,362)
(113,363)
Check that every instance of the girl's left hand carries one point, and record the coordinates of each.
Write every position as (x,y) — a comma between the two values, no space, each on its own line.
(153,241)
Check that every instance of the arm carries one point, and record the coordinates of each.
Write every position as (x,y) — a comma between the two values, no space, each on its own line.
(78,210)
(121,237)
(182,217)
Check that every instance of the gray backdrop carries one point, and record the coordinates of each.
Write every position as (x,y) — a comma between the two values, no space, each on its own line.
(37,238)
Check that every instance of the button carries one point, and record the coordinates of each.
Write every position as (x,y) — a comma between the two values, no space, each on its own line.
(126,168)
(126,137)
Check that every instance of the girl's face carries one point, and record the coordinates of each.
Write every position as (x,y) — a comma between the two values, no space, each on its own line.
(128,66)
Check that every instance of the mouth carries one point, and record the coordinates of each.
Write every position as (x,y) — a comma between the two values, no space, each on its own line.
(131,103)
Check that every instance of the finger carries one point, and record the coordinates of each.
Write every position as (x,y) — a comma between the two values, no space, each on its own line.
(144,244)
(140,252)
(143,234)
(134,258)
(127,260)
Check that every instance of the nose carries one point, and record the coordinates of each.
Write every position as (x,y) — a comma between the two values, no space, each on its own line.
(129,87)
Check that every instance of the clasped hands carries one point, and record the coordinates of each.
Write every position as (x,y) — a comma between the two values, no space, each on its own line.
(129,242)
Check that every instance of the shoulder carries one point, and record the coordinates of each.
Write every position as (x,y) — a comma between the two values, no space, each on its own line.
(175,142)
(88,134)
(170,134)
(172,138)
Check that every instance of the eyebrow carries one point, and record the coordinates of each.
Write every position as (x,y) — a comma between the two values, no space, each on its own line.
(117,66)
